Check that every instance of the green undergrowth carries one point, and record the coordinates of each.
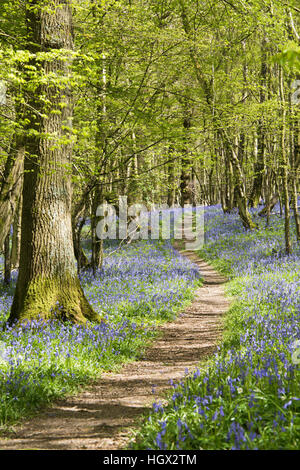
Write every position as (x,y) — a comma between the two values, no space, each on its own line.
(141,287)
(247,395)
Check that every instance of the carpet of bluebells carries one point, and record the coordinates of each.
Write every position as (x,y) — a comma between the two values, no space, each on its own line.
(140,286)
(247,396)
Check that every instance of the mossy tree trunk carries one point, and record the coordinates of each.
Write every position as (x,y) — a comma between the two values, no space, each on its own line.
(48,283)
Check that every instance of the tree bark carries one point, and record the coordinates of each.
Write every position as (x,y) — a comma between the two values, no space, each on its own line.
(239,187)
(171,179)
(97,244)
(48,284)
(285,169)
(267,209)
(16,237)
(7,261)
(259,166)
(186,163)
(11,187)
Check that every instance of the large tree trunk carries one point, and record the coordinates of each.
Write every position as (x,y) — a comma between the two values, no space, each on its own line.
(48,284)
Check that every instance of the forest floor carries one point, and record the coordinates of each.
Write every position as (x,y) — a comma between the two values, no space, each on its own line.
(104,415)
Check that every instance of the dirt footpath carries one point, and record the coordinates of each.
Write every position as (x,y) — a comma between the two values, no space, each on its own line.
(103,416)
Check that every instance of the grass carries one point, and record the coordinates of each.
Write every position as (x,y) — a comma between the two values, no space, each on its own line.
(139,287)
(247,396)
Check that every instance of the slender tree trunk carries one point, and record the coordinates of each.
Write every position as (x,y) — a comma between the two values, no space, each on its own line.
(97,244)
(16,237)
(296,208)
(285,169)
(267,209)
(239,186)
(259,166)
(48,283)
(82,260)
(11,187)
(186,163)
(295,168)
(171,179)
(296,138)
(7,260)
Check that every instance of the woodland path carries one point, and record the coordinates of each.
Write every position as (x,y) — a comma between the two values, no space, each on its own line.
(104,414)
